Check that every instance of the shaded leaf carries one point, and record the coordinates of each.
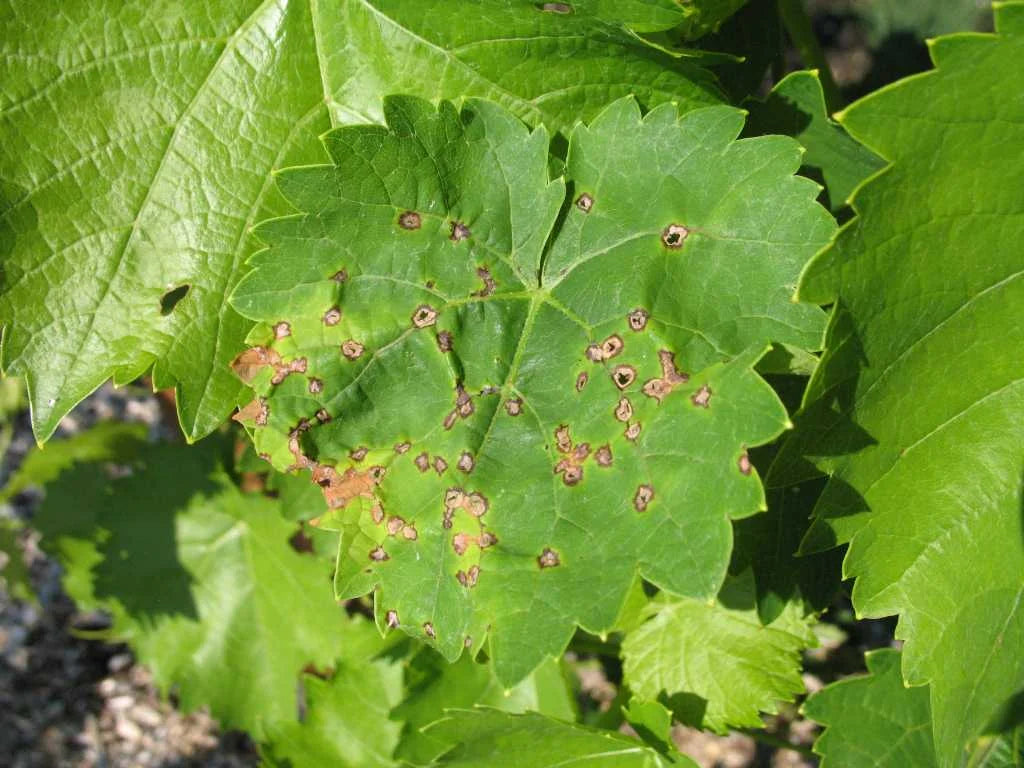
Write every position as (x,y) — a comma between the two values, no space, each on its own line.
(346,724)
(199,579)
(490,380)
(714,664)
(14,575)
(796,107)
(873,719)
(435,685)
(107,441)
(917,408)
(488,738)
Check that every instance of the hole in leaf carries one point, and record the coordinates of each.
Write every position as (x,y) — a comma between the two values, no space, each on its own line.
(172,298)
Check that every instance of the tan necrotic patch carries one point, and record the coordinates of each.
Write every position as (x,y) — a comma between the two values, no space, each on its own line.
(702,397)
(637,319)
(674,235)
(585,202)
(352,349)
(423,316)
(409,220)
(643,497)
(671,377)
(548,558)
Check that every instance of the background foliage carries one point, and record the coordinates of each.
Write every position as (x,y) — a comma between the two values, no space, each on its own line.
(511,369)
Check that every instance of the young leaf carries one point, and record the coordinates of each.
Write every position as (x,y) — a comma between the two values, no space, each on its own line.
(347,721)
(917,408)
(488,738)
(873,719)
(715,664)
(139,142)
(505,422)
(199,578)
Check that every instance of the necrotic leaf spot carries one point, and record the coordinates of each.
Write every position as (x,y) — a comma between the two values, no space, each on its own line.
(409,220)
(674,235)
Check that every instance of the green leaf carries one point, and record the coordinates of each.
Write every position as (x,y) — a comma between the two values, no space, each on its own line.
(505,482)
(347,722)
(199,578)
(768,542)
(1003,751)
(140,139)
(796,107)
(14,575)
(917,408)
(107,441)
(435,685)
(715,664)
(873,719)
(488,738)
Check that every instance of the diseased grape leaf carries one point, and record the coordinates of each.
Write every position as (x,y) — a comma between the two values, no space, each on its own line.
(714,664)
(488,738)
(873,719)
(199,579)
(796,107)
(917,408)
(523,433)
(140,139)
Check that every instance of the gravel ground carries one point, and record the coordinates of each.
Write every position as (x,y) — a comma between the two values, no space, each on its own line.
(76,703)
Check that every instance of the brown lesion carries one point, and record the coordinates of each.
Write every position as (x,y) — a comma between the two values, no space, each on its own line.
(341,488)
(378,555)
(671,377)
(256,412)
(674,235)
(469,577)
(585,202)
(638,318)
(548,558)
(702,397)
(466,462)
(489,284)
(332,316)
(606,350)
(573,456)
(423,316)
(623,376)
(250,363)
(632,431)
(352,349)
(459,232)
(514,406)
(391,619)
(444,341)
(409,220)
(643,497)
(603,456)
(282,330)
(744,464)
(463,407)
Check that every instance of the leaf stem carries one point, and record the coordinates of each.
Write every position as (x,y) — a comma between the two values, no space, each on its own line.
(798,25)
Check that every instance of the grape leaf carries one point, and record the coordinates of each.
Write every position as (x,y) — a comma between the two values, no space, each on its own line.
(14,574)
(917,408)
(139,142)
(1003,751)
(435,685)
(796,107)
(488,738)
(506,429)
(723,682)
(199,579)
(873,719)
(346,724)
